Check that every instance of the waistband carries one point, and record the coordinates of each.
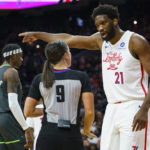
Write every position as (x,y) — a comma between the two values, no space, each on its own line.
(51,124)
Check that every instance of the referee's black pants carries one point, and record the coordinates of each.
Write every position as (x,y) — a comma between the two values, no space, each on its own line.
(53,138)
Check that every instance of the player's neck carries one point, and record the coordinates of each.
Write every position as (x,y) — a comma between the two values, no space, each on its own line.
(118,34)
(6,63)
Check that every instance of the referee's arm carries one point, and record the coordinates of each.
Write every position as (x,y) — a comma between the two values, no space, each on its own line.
(88,103)
(30,109)
(33,99)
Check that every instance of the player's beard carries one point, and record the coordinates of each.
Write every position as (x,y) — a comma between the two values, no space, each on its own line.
(110,35)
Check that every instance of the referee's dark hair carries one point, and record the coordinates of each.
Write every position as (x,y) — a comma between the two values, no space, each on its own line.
(54,52)
(105,9)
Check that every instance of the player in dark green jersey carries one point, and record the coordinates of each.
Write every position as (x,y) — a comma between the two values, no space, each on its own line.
(14,132)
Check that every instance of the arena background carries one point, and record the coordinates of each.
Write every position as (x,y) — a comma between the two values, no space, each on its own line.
(73,18)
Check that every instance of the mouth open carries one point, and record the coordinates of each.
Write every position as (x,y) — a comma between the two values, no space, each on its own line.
(103,35)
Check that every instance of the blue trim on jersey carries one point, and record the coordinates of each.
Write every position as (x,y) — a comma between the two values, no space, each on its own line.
(61,71)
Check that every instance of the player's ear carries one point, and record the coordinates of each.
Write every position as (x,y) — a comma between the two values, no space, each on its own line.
(12,57)
(115,21)
(64,56)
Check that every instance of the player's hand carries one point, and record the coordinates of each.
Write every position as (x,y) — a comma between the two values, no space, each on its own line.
(28,37)
(140,120)
(29,138)
(88,134)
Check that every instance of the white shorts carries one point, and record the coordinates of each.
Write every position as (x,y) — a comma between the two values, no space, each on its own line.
(117,128)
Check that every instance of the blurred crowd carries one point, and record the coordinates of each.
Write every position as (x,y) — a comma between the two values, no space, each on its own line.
(88,61)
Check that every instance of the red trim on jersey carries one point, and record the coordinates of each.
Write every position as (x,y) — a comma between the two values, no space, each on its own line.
(146,136)
(142,71)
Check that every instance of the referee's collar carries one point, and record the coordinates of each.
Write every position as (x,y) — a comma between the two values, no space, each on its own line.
(61,71)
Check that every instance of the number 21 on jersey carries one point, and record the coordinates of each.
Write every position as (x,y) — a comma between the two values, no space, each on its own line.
(119,78)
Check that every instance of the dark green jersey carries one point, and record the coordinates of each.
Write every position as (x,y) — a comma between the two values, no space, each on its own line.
(3,90)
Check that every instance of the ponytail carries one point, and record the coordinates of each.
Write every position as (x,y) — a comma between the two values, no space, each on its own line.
(48,76)
(54,52)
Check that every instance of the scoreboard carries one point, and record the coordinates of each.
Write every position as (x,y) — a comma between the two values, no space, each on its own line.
(24,4)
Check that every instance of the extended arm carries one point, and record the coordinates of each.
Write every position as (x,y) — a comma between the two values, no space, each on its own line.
(92,42)
(142,49)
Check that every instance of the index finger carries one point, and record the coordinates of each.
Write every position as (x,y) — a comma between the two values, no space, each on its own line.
(134,125)
(21,34)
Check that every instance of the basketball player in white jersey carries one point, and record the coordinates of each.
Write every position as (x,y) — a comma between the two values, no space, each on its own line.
(125,68)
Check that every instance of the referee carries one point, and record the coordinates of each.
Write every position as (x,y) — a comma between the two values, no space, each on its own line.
(62,90)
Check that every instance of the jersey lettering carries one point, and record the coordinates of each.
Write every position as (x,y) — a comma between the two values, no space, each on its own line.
(114,60)
(60,94)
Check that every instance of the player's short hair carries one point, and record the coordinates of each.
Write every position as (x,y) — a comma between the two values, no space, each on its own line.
(105,9)
(10,49)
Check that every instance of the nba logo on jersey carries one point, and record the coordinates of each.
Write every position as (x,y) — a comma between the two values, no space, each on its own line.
(122,44)
(1,82)
(135,147)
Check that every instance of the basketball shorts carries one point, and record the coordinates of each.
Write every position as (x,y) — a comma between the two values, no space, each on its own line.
(117,128)
(11,133)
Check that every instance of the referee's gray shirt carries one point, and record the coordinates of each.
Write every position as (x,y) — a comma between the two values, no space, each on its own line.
(63,99)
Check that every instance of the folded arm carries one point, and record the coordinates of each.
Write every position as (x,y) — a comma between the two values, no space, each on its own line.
(30,110)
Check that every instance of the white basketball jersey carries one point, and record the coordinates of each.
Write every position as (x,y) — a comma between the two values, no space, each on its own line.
(123,76)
